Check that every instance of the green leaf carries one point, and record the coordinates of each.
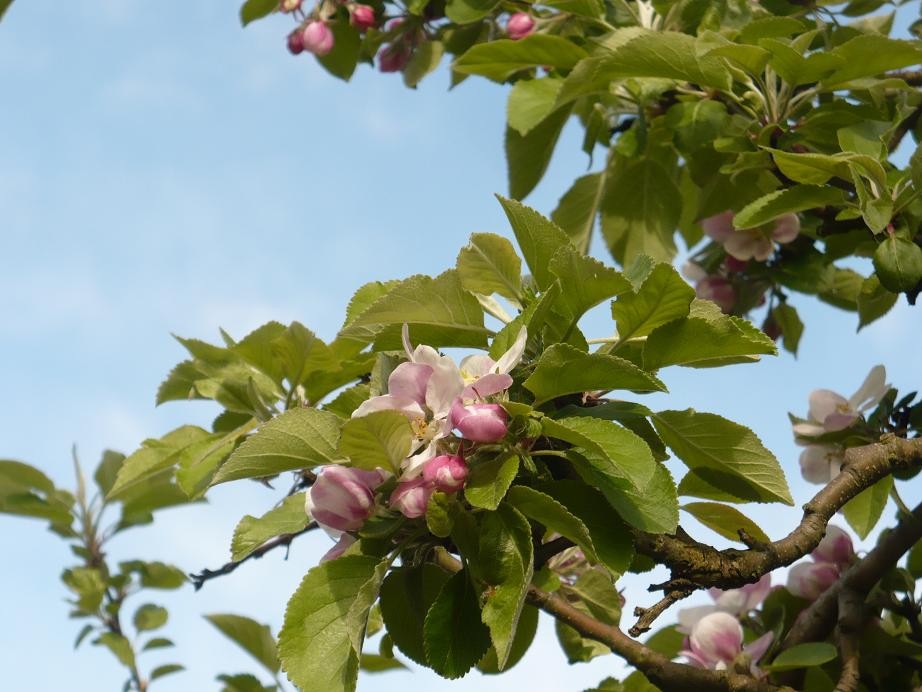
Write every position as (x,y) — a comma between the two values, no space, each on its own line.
(244,682)
(538,237)
(588,282)
(407,594)
(382,439)
(84,632)
(375,663)
(531,101)
(164,670)
(696,124)
(564,369)
(425,60)
(811,169)
(488,481)
(869,55)
(663,297)
(157,643)
(88,585)
(595,595)
(528,156)
(439,310)
(554,517)
(577,209)
(703,342)
(15,475)
(806,655)
(257,9)
(626,456)
(725,454)
(505,563)
(155,575)
(348,400)
(106,472)
(725,520)
(341,61)
(645,53)
(898,263)
(252,637)
(150,617)
(874,301)
(297,439)
(119,646)
(611,538)
(864,510)
(498,60)
(792,199)
(585,8)
(915,167)
(787,319)
(325,620)
(466,11)
(524,635)
(289,517)
(488,264)
(455,638)
(640,210)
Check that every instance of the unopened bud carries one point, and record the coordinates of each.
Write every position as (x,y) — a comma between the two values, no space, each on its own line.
(446,472)
(296,42)
(362,17)
(480,422)
(520,25)
(317,38)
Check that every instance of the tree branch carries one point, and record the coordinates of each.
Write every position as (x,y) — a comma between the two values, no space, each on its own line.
(815,623)
(199,578)
(695,565)
(848,630)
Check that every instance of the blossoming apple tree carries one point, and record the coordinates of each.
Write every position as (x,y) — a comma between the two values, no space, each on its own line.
(464,495)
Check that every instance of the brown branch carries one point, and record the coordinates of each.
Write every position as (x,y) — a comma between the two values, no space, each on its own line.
(848,630)
(646,616)
(817,621)
(695,565)
(199,578)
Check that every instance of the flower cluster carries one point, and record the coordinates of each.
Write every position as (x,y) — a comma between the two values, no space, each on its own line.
(714,634)
(437,396)
(752,243)
(830,412)
(832,557)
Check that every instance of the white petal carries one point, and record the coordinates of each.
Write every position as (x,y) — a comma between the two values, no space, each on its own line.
(405,335)
(871,391)
(825,402)
(693,272)
(445,385)
(808,429)
(477,365)
(815,464)
(511,358)
(407,407)
(689,617)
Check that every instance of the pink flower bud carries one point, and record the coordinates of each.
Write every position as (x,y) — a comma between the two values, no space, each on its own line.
(342,498)
(717,289)
(446,473)
(835,548)
(394,57)
(787,227)
(289,5)
(734,265)
(317,38)
(810,579)
(296,42)
(363,17)
(715,640)
(412,497)
(479,422)
(520,25)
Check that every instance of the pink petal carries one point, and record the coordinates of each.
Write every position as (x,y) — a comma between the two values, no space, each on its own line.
(757,648)
(839,421)
(825,402)
(815,464)
(746,245)
(408,407)
(717,637)
(487,385)
(341,546)
(513,356)
(719,227)
(408,381)
(787,227)
(836,547)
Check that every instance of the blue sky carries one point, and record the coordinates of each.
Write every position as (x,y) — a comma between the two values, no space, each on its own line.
(164,171)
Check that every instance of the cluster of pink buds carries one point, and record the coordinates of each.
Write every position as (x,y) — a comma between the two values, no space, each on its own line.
(315,37)
(446,473)
(394,56)
(832,557)
(714,287)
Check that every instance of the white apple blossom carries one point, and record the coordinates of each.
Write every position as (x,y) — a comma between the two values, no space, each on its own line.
(830,411)
(736,602)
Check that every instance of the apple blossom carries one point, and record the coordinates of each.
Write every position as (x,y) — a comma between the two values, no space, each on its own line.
(342,498)
(317,38)
(484,376)
(394,56)
(362,17)
(446,472)
(736,602)
(831,412)
(296,42)
(289,5)
(480,422)
(411,498)
(821,463)
(520,25)
(750,243)
(810,579)
(717,639)
(836,548)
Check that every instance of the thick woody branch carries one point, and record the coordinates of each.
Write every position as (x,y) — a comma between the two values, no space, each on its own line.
(848,630)
(696,565)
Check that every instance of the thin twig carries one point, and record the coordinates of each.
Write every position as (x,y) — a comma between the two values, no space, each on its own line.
(646,616)
(199,578)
